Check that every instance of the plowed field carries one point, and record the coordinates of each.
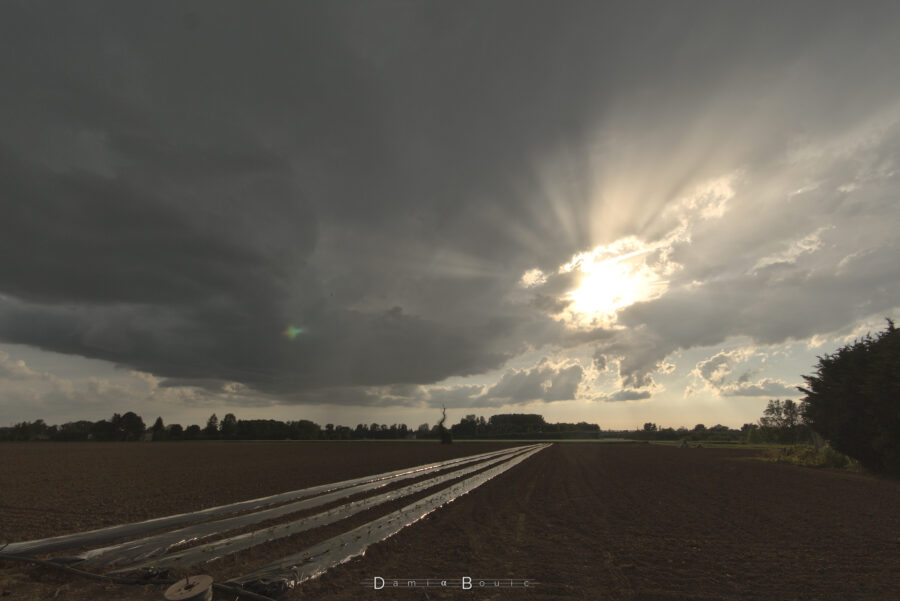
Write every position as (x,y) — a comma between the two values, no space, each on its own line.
(580,520)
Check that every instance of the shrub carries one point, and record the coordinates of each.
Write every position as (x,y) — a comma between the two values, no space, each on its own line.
(807,455)
(832,458)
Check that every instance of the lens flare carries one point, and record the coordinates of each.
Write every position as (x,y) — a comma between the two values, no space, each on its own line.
(292,331)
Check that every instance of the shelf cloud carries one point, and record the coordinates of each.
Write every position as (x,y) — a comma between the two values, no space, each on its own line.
(434,198)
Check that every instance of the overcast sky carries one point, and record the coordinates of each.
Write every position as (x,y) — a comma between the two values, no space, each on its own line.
(362,211)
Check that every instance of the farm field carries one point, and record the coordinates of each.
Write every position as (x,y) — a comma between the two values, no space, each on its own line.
(582,520)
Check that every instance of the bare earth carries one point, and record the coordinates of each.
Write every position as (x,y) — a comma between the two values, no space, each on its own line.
(580,520)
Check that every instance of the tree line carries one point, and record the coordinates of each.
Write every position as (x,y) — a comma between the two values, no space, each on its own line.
(852,401)
(131,427)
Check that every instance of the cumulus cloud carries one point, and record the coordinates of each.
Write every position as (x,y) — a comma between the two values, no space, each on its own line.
(544,382)
(767,387)
(718,368)
(728,373)
(627,395)
(533,277)
(13,369)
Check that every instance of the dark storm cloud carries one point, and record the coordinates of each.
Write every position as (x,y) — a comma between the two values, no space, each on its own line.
(78,237)
(180,182)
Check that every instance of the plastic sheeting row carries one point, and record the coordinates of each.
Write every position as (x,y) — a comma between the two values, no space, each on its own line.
(227,546)
(165,549)
(288,572)
(111,533)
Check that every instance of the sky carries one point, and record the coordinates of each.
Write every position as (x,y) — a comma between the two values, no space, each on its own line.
(362,211)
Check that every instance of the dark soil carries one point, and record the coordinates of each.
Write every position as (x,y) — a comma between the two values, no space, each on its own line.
(578,520)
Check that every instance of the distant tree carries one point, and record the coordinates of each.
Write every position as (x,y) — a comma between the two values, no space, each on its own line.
(228,427)
(853,400)
(781,422)
(752,433)
(516,424)
(305,430)
(648,432)
(71,431)
(773,415)
(192,432)
(212,427)
(466,428)
(129,426)
(103,430)
(116,422)
(175,432)
(36,430)
(158,429)
(263,429)
(718,432)
(667,434)
(790,412)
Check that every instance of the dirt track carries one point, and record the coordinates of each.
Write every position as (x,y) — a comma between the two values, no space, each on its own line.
(612,522)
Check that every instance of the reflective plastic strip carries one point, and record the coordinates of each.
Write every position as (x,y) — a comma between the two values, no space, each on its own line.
(130,552)
(290,571)
(220,548)
(111,533)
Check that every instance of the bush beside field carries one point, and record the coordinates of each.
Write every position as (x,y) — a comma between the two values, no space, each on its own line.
(807,455)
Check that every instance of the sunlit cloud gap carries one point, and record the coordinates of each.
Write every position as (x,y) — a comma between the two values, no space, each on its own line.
(607,285)
(632,269)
